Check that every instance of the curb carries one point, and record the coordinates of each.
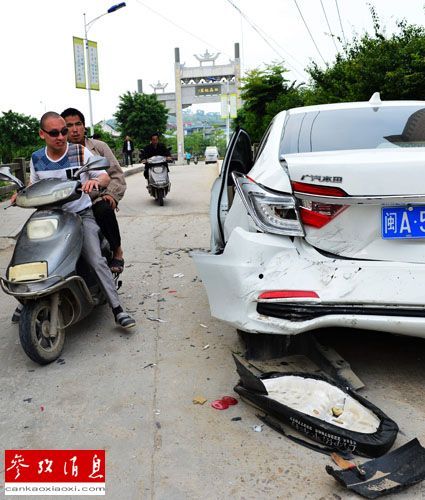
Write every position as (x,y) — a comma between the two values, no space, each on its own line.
(132,170)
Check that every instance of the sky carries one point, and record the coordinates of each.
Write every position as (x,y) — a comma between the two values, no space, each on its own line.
(138,41)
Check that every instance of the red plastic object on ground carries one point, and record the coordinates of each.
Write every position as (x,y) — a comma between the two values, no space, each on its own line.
(229,400)
(219,404)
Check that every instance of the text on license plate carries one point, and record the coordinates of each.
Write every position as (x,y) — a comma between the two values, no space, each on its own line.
(403,222)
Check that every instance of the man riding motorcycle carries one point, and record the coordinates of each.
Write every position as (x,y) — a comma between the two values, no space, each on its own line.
(154,148)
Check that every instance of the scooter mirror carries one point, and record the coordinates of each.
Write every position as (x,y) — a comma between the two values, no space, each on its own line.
(6,175)
(93,163)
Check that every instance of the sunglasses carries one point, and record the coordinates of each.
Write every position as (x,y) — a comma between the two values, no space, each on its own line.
(55,132)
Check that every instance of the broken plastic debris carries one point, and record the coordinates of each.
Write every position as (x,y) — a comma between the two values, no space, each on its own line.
(257,428)
(224,403)
(390,473)
(199,400)
(370,431)
(218,404)
(336,412)
(203,326)
(229,400)
(149,365)
(205,347)
(346,464)
(178,275)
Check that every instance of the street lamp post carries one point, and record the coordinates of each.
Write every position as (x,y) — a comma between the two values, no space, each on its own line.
(87,26)
(227,114)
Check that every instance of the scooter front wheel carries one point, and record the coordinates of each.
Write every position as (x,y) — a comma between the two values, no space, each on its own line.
(35,332)
(161,197)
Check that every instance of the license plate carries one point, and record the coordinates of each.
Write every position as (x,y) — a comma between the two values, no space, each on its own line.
(403,222)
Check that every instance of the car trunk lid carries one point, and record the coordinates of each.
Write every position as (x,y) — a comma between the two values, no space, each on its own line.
(365,204)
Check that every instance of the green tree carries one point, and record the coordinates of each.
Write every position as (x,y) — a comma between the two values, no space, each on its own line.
(18,136)
(115,143)
(170,140)
(218,138)
(265,92)
(139,115)
(195,143)
(393,66)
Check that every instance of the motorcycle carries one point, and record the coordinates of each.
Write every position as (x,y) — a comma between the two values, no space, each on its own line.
(195,160)
(47,274)
(158,180)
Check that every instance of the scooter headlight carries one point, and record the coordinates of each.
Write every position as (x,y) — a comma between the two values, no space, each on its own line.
(41,228)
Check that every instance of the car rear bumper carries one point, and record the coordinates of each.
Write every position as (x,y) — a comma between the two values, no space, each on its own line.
(371,295)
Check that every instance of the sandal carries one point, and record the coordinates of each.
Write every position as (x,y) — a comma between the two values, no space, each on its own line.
(116,265)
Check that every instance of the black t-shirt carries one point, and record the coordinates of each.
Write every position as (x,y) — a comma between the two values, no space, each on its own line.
(159,150)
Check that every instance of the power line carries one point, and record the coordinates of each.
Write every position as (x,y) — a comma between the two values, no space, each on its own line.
(340,22)
(329,26)
(266,38)
(309,32)
(181,28)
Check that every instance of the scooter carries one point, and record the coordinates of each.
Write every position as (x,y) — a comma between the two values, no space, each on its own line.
(158,180)
(47,274)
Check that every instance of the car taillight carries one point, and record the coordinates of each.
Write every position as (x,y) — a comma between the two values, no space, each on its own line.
(287,294)
(271,211)
(318,213)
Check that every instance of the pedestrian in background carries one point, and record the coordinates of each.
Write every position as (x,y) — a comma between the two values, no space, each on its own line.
(128,149)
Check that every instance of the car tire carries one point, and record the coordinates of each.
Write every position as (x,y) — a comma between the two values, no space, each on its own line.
(263,346)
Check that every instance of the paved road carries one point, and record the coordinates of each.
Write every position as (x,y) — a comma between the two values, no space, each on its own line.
(131,394)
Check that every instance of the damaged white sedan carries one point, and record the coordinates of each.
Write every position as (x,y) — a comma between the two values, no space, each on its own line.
(326,227)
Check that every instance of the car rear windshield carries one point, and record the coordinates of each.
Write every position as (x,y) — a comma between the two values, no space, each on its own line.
(361,128)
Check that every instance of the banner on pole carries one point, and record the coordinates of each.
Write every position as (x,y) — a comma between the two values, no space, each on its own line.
(93,65)
(224,110)
(79,63)
(233,107)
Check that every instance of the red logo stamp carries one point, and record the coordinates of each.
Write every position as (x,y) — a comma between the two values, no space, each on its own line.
(38,472)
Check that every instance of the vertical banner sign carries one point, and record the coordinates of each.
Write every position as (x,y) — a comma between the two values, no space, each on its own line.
(79,64)
(233,108)
(94,67)
(224,110)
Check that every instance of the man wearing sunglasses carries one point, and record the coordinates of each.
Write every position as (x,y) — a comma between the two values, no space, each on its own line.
(59,160)
(105,201)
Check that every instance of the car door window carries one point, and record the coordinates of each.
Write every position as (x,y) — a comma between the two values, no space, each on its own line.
(291,134)
(238,158)
(241,159)
(263,141)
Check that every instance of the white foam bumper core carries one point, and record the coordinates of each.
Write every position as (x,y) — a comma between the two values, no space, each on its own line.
(322,400)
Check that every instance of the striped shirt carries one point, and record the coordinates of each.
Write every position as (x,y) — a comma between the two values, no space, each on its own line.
(43,167)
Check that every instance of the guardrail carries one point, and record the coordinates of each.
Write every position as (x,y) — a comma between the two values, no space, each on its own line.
(19,169)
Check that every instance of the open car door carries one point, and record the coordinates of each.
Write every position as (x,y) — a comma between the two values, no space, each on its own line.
(238,158)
